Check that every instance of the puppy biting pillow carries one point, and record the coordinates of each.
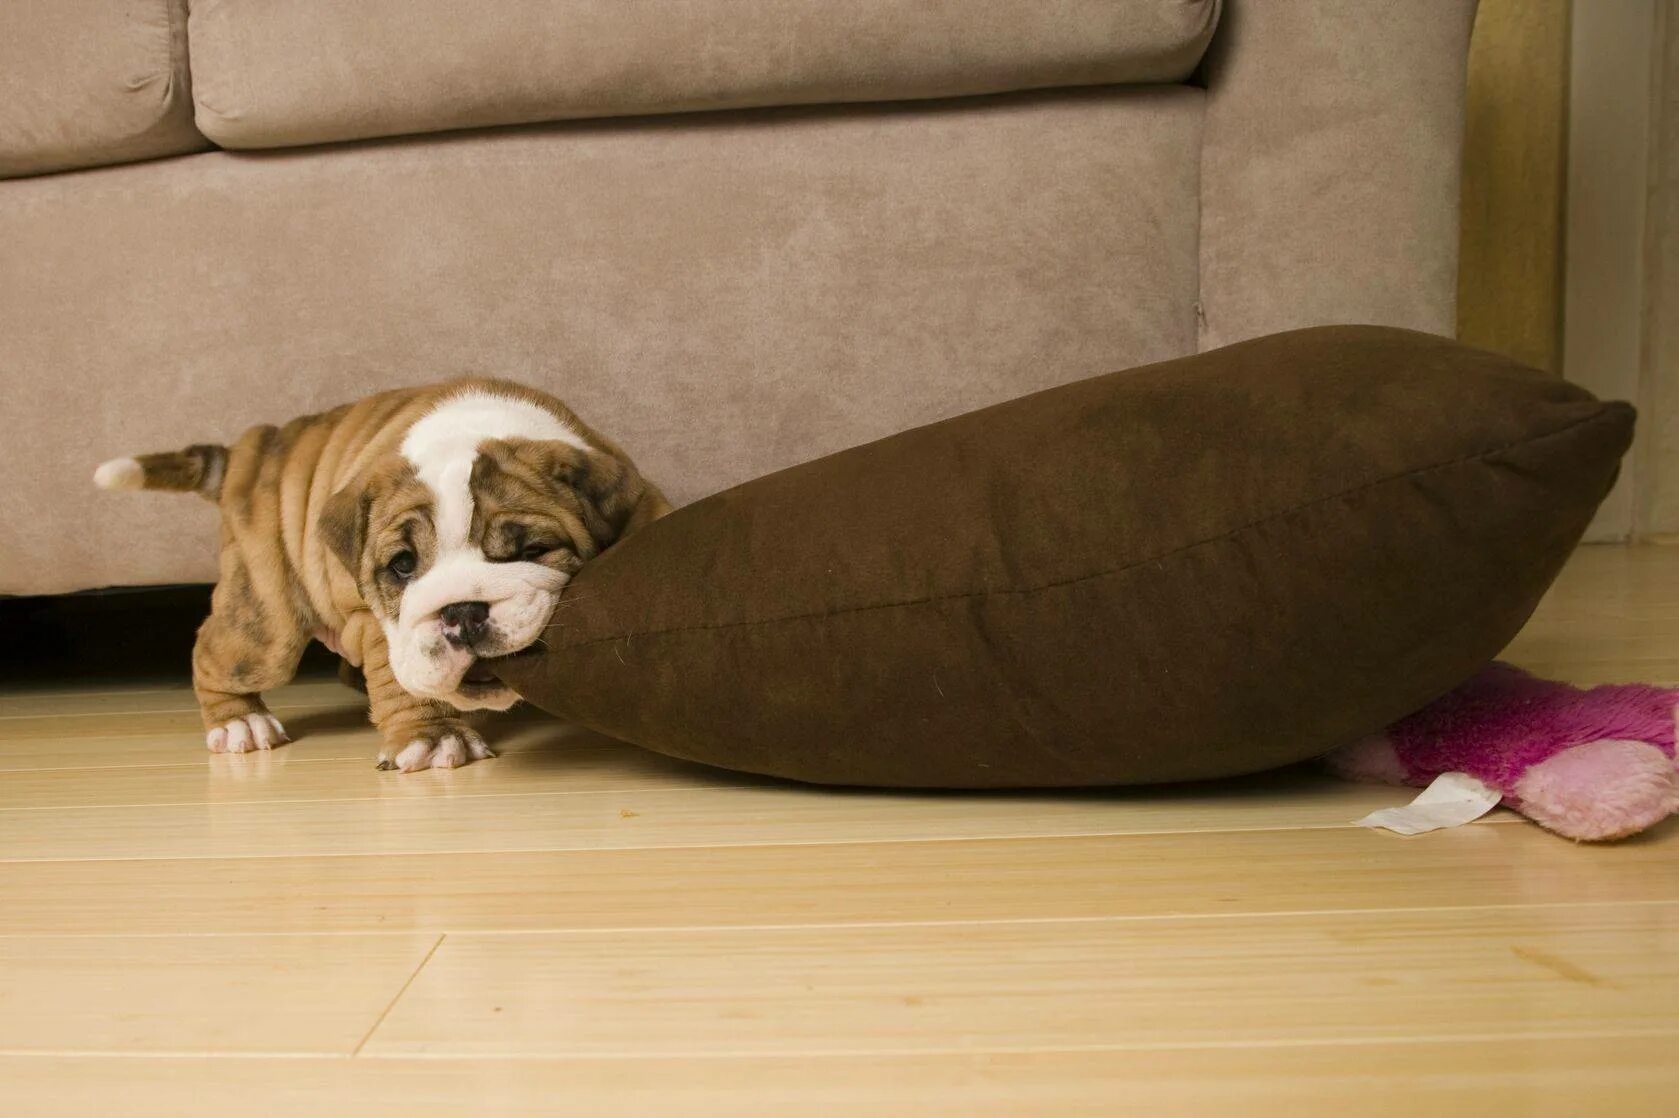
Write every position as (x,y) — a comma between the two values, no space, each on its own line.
(1200,568)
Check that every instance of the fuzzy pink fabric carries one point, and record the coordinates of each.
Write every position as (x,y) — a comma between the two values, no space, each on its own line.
(1504,722)
(1601,790)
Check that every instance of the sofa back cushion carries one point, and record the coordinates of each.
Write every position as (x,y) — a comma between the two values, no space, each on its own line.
(311,71)
(88,82)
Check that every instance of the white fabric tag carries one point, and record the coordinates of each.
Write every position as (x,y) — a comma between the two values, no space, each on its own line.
(1451,801)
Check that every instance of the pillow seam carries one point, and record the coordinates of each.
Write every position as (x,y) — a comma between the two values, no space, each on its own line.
(1481,456)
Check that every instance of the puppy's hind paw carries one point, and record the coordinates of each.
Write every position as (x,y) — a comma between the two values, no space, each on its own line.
(443,747)
(257,730)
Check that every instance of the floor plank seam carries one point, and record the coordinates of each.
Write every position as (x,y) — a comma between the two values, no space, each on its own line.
(855,925)
(500,850)
(461,795)
(184,712)
(169,765)
(386,1012)
(908,1052)
(195,750)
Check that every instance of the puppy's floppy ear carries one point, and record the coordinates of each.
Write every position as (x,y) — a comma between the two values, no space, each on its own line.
(612,488)
(343,524)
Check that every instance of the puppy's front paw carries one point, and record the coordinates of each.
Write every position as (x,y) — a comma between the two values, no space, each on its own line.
(443,745)
(257,730)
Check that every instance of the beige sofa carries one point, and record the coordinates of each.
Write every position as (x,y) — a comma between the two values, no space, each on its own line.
(733,233)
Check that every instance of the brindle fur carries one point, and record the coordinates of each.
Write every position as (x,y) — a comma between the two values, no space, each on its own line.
(312,511)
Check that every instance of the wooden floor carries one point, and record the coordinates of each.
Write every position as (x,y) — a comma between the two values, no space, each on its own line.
(581,928)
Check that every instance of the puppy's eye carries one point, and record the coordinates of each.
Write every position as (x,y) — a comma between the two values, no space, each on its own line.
(402,565)
(534,551)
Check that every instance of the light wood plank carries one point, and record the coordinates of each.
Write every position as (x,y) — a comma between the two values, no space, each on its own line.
(197,994)
(1533,1077)
(1629,582)
(181,746)
(301,718)
(1612,617)
(535,759)
(181,719)
(22,703)
(1663,672)
(719,813)
(1131,876)
(337,734)
(1636,649)
(31,713)
(1055,985)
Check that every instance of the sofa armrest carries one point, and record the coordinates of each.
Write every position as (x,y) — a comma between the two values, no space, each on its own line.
(1330,165)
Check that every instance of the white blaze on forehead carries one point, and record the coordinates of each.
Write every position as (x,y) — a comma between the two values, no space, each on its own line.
(443,444)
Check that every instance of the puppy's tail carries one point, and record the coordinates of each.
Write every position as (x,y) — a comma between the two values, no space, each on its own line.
(197,469)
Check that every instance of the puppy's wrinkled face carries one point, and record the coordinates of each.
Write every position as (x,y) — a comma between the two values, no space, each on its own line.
(461,542)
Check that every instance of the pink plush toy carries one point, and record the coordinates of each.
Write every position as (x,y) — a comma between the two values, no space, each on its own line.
(1589,765)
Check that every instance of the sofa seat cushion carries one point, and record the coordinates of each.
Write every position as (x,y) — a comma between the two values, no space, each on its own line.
(89,82)
(313,71)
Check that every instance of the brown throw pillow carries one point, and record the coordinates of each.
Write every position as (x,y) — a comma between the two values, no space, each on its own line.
(1196,569)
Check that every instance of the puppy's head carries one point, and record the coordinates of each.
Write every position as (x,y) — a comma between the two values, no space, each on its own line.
(462,553)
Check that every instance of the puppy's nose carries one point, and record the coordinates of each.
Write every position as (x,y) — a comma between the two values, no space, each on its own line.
(464,622)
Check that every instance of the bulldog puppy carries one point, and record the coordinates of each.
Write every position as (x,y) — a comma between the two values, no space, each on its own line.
(415,533)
